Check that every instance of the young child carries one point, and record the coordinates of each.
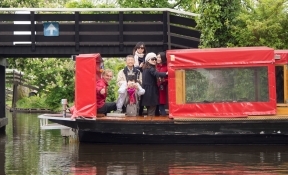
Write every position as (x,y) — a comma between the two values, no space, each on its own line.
(129,92)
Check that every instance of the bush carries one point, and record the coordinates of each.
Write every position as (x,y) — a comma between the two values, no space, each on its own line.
(32,102)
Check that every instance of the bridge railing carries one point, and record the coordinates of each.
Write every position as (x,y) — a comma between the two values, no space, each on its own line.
(123,27)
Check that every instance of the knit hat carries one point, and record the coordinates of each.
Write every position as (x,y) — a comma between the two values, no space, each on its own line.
(149,56)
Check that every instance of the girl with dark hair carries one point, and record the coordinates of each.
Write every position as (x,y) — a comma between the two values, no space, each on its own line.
(139,53)
(162,82)
(149,83)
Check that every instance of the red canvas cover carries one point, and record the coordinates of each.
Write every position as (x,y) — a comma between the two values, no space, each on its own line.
(221,58)
(87,71)
(281,57)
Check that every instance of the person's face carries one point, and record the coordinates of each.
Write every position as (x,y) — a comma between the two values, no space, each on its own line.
(130,61)
(159,59)
(140,49)
(152,61)
(108,76)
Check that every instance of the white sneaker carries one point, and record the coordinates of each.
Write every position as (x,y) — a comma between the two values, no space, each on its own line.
(118,111)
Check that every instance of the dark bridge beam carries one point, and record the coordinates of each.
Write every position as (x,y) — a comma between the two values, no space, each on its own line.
(67,51)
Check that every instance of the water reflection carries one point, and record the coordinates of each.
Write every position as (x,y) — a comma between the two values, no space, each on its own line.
(28,150)
(184,159)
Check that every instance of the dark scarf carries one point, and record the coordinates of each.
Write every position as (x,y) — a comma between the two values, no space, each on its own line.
(135,71)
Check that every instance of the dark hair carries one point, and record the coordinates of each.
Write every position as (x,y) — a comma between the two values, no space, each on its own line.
(131,78)
(139,44)
(146,65)
(163,57)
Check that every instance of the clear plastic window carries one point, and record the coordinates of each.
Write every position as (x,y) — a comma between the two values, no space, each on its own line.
(209,85)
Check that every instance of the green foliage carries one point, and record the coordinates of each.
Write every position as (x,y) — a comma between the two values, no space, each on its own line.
(55,77)
(57,93)
(32,102)
(80,4)
(216,21)
(89,4)
(178,4)
(32,3)
(115,64)
(262,24)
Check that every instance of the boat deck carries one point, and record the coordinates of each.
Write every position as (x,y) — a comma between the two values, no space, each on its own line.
(166,118)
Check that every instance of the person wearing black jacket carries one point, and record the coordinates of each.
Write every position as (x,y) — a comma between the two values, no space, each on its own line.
(149,83)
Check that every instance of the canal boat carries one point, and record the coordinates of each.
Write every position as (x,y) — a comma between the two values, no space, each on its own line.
(216,96)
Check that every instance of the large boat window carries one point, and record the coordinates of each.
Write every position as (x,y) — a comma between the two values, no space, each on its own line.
(209,85)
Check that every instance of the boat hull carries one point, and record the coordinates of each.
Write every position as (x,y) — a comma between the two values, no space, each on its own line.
(181,132)
(96,137)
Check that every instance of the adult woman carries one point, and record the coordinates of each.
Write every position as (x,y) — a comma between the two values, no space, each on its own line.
(149,83)
(162,83)
(139,53)
(104,107)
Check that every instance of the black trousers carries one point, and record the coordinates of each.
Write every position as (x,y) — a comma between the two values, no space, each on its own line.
(107,108)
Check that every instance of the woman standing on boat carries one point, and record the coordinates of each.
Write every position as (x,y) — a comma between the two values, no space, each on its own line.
(162,82)
(139,53)
(149,81)
(104,107)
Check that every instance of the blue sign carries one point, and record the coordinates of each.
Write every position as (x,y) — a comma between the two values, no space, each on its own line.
(51,28)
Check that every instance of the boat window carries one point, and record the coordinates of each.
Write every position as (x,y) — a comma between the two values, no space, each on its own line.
(209,85)
(279,73)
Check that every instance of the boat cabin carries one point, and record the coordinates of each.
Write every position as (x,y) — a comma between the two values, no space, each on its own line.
(206,83)
(281,74)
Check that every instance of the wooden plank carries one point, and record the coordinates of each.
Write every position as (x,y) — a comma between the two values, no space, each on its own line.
(98,17)
(185,31)
(83,27)
(15,17)
(180,86)
(282,111)
(145,27)
(183,21)
(186,41)
(97,37)
(282,105)
(143,17)
(178,46)
(54,17)
(144,38)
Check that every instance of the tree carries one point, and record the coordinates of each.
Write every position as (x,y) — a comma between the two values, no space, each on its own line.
(262,23)
(178,4)
(216,21)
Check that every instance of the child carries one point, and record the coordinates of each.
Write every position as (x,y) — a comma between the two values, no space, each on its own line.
(129,92)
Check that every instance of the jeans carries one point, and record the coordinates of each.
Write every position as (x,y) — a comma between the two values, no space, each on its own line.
(107,108)
(162,110)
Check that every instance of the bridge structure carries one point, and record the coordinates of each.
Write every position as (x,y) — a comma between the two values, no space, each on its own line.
(112,32)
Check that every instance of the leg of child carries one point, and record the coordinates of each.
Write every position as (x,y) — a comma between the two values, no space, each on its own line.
(120,102)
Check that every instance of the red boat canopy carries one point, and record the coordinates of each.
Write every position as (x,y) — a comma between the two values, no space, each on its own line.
(87,72)
(221,82)
(281,57)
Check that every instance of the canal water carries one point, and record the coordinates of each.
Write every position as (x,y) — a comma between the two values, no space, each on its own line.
(26,149)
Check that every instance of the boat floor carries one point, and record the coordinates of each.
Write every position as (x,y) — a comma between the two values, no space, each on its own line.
(166,118)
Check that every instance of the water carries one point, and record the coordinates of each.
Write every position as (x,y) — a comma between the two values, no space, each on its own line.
(25,149)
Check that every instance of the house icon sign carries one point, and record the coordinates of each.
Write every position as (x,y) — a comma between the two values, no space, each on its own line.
(51,29)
